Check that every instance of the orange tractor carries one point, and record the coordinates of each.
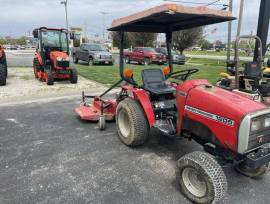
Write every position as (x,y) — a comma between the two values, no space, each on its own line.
(52,56)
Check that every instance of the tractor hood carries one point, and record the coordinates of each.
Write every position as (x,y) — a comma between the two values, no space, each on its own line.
(206,97)
(59,59)
(57,55)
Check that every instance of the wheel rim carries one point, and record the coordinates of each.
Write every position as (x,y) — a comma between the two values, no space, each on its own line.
(90,62)
(124,123)
(146,62)
(127,60)
(194,182)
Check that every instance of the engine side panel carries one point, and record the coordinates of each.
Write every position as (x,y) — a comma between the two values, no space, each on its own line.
(219,110)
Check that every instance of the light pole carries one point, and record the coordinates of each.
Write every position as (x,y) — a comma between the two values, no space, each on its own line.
(65,4)
(103,23)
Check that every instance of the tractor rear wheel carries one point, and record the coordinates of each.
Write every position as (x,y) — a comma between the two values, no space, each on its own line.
(37,67)
(131,123)
(49,78)
(201,178)
(252,173)
(3,75)
(73,76)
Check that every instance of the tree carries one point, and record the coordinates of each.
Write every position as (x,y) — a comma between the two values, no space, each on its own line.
(3,41)
(143,39)
(134,39)
(116,37)
(187,38)
(204,44)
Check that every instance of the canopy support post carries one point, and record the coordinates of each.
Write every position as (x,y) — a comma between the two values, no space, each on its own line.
(121,59)
(169,48)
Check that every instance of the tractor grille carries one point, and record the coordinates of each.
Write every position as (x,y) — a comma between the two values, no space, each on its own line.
(258,139)
(63,63)
(105,57)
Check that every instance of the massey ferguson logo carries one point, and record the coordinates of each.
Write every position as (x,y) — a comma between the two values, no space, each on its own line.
(260,139)
(220,119)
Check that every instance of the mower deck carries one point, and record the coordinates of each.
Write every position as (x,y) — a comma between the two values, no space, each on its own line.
(93,111)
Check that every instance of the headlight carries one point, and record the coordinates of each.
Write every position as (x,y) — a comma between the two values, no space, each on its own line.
(267,121)
(255,125)
(59,59)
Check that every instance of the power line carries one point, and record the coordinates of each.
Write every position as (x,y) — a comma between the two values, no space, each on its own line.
(198,3)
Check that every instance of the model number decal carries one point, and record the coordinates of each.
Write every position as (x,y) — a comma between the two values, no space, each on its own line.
(212,116)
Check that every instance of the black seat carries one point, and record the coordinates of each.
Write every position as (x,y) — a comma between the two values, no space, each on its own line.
(154,81)
(253,74)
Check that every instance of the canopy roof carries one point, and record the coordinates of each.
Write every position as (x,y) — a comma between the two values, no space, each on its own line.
(171,17)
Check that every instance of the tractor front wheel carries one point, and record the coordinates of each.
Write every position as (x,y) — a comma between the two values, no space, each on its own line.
(131,123)
(252,173)
(201,178)
(49,78)
(73,76)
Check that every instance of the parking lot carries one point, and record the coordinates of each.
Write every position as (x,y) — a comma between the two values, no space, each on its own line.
(49,156)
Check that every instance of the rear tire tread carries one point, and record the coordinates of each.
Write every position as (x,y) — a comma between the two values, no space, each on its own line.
(139,124)
(211,170)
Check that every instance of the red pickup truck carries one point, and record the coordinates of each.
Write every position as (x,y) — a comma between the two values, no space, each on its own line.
(144,55)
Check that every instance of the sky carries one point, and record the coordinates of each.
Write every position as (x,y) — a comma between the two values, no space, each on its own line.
(20,17)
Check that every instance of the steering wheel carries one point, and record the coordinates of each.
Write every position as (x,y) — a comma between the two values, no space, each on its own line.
(183,74)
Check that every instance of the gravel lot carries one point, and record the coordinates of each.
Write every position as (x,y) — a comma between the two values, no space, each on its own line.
(22,86)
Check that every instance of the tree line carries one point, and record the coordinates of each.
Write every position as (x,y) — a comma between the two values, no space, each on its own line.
(181,39)
(13,41)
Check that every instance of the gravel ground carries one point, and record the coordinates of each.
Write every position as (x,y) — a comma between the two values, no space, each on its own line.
(22,86)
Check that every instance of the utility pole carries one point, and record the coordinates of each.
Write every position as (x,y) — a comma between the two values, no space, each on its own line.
(229,34)
(240,18)
(263,26)
(85,31)
(65,4)
(103,23)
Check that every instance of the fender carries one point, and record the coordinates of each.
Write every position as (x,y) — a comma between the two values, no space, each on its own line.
(141,96)
(39,58)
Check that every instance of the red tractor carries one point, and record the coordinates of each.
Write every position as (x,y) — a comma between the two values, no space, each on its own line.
(3,67)
(52,56)
(230,128)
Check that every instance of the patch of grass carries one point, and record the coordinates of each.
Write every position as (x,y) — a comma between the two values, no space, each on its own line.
(209,69)
(213,53)
(26,77)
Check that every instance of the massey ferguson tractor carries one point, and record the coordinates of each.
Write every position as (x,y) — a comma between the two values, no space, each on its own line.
(3,67)
(231,128)
(52,56)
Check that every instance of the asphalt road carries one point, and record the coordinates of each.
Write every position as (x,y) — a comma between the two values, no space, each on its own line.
(47,155)
(19,58)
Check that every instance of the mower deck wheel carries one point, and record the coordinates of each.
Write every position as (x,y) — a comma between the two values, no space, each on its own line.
(49,78)
(201,178)
(3,75)
(131,123)
(252,173)
(102,123)
(73,76)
